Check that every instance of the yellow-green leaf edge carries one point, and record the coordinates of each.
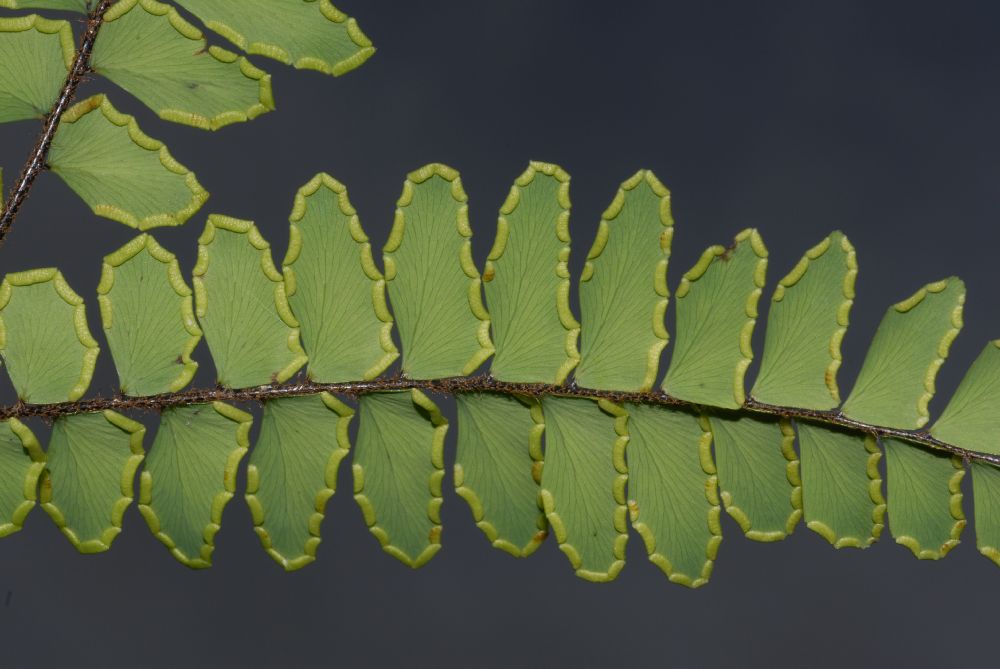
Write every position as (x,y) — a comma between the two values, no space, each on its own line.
(306,62)
(954,507)
(874,493)
(345,413)
(440,424)
(204,558)
(368,266)
(176,279)
(15,4)
(449,174)
(660,286)
(713,520)
(794,478)
(34,450)
(620,416)
(265,101)
(943,346)
(69,296)
(759,277)
(990,552)
(257,241)
(843,312)
(566,318)
(476,504)
(198,194)
(17,24)
(136,432)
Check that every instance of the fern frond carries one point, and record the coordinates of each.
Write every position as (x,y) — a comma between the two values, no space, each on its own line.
(539,452)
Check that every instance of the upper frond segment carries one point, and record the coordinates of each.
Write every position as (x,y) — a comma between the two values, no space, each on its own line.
(971,419)
(435,288)
(44,339)
(149,50)
(148,316)
(807,320)
(329,269)
(35,55)
(526,280)
(716,314)
(896,382)
(309,34)
(241,305)
(623,289)
(122,173)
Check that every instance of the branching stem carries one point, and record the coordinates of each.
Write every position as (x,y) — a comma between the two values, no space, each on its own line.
(37,159)
(465,384)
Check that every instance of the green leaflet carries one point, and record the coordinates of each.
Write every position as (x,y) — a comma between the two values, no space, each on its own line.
(81,6)
(896,380)
(148,318)
(312,35)
(21,464)
(526,280)
(44,339)
(673,495)
(190,476)
(293,473)
(971,419)
(35,55)
(716,313)
(623,289)
(841,485)
(398,467)
(91,463)
(583,483)
(805,325)
(149,50)
(329,270)
(758,474)
(986,492)
(924,498)
(498,467)
(241,305)
(433,283)
(120,172)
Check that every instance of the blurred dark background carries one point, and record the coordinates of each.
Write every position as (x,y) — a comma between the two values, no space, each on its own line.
(798,118)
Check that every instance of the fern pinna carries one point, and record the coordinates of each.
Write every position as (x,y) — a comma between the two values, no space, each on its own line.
(565,433)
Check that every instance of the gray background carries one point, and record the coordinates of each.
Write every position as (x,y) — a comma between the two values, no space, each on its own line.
(798,118)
